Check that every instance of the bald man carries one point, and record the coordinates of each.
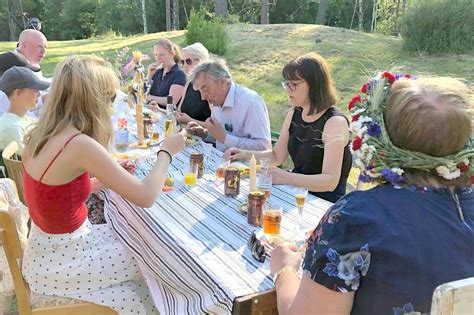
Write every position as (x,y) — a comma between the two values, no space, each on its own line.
(33,44)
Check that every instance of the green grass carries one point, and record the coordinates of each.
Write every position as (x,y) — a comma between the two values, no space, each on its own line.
(257,53)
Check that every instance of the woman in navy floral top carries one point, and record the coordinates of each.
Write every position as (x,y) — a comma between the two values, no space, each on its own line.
(385,250)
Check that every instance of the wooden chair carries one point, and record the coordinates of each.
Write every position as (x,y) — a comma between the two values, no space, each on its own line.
(263,303)
(11,245)
(14,168)
(454,298)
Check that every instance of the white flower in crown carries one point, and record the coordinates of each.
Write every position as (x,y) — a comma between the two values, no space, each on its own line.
(448,172)
(397,171)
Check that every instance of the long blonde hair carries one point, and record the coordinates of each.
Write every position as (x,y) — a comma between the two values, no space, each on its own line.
(80,96)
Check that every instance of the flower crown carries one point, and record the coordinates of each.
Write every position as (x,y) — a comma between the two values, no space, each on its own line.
(376,155)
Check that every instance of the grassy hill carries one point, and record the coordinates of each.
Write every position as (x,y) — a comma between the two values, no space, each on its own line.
(257,54)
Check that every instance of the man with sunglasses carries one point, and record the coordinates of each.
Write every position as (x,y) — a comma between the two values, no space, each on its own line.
(239,115)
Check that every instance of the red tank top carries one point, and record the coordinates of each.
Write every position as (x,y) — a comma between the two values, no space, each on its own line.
(57,209)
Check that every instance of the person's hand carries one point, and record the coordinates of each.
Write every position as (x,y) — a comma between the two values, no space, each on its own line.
(175,143)
(152,69)
(128,166)
(279,176)
(182,118)
(215,129)
(284,255)
(153,105)
(236,154)
(196,129)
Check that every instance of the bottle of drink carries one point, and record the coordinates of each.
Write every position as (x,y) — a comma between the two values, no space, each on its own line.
(170,118)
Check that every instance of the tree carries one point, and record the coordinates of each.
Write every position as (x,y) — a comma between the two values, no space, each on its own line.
(264,13)
(175,15)
(220,8)
(322,10)
(145,28)
(361,15)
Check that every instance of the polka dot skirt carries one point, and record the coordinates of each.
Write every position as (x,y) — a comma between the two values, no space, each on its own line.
(88,264)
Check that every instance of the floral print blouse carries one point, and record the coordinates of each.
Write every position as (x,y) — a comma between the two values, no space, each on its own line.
(393,247)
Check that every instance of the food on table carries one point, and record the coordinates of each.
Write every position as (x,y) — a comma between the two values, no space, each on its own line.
(169,181)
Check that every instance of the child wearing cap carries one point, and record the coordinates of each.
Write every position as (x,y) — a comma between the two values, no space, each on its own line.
(22,87)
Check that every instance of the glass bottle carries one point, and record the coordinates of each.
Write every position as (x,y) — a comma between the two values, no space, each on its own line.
(170,118)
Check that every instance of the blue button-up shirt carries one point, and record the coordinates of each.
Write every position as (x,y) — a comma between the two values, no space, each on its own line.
(244,116)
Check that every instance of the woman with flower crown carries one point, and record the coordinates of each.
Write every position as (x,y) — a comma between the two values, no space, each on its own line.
(385,250)
(314,134)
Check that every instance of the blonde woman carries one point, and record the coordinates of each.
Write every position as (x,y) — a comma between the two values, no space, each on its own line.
(192,106)
(66,255)
(165,74)
(385,250)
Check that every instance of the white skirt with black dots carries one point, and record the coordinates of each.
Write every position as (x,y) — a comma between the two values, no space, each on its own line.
(88,264)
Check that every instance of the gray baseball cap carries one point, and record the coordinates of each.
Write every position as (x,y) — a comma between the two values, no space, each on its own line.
(20,78)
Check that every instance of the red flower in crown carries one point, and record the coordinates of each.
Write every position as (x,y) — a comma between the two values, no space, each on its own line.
(407,75)
(355,117)
(353,101)
(364,88)
(356,143)
(472,180)
(463,167)
(390,77)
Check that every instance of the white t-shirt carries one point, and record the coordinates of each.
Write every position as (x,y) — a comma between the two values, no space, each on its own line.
(4,103)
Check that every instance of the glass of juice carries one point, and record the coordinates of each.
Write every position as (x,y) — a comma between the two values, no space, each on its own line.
(220,170)
(271,219)
(190,177)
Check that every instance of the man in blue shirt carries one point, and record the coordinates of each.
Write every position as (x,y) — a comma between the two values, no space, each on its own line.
(239,115)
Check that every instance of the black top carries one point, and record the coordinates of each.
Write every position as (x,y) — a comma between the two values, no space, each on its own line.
(306,147)
(161,85)
(194,106)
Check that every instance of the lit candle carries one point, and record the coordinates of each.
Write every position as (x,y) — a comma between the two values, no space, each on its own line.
(253,174)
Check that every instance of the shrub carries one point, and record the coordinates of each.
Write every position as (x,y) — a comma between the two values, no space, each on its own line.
(209,30)
(438,26)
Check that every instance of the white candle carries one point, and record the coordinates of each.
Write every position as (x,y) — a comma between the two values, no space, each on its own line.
(253,174)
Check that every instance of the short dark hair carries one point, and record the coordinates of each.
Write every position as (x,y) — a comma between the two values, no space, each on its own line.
(315,71)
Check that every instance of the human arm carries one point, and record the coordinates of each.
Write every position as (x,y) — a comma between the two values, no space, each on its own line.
(335,138)
(277,155)
(294,293)
(96,184)
(93,158)
(176,90)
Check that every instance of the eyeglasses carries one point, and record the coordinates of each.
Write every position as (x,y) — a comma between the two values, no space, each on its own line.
(290,85)
(188,61)
(256,248)
(112,99)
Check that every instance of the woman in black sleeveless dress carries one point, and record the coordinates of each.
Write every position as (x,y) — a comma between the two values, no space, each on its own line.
(192,107)
(315,133)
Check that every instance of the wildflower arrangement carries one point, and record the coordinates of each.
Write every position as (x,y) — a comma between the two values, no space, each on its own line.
(127,67)
(376,155)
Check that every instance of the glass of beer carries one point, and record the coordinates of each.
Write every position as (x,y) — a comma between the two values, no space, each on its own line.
(271,219)
(300,199)
(220,170)
(190,177)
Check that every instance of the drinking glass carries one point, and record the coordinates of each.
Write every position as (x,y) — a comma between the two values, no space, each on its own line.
(264,165)
(220,170)
(271,221)
(300,199)
(264,183)
(190,177)
(149,130)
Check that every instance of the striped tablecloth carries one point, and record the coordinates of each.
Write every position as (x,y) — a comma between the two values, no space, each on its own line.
(193,239)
